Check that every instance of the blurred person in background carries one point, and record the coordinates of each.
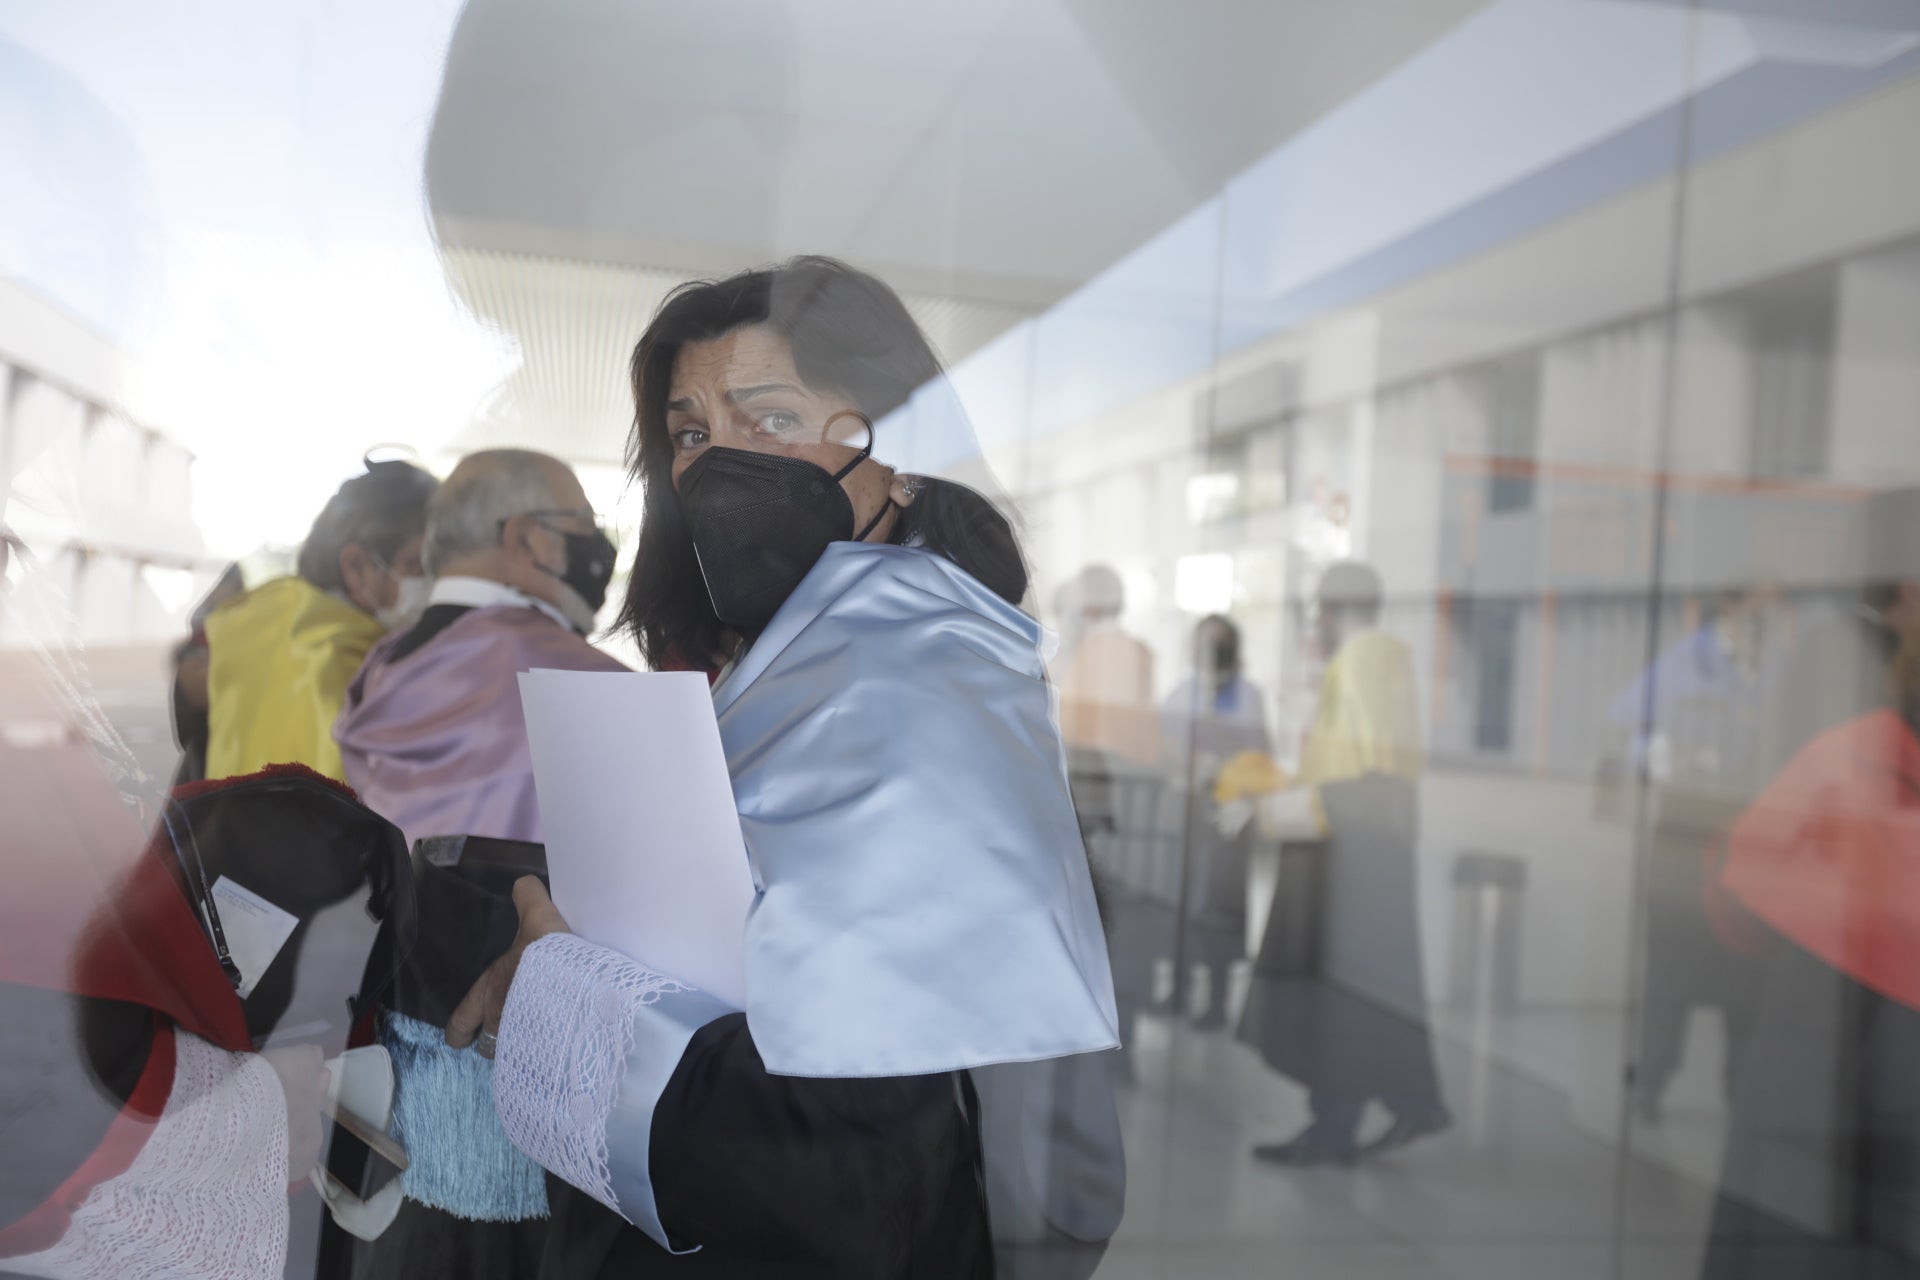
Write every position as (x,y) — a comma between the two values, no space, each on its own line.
(280,657)
(927,995)
(1214,716)
(432,737)
(143,1135)
(1822,1166)
(1693,722)
(1103,678)
(1104,674)
(1695,710)
(430,732)
(189,692)
(1348,1042)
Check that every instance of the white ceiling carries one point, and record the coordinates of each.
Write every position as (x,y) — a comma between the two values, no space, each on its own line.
(998,151)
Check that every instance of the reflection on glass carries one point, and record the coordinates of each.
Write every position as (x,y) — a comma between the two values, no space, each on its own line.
(1464,449)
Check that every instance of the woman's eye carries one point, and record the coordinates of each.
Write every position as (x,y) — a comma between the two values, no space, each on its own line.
(779,422)
(687,438)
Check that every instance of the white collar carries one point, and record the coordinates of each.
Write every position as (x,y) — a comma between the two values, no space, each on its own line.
(484,593)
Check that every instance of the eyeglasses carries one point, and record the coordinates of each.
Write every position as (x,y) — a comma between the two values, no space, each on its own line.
(549,513)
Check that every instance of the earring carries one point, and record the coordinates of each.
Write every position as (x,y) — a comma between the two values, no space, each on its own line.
(913,485)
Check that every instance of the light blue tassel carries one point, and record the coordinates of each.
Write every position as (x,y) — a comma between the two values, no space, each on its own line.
(458,1156)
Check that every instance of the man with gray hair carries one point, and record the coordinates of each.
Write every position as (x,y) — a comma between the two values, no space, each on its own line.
(433,739)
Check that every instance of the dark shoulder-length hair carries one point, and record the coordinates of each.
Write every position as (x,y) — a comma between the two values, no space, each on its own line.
(850,334)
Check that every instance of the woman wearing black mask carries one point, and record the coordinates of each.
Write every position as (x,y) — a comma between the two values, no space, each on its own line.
(765,387)
(925,968)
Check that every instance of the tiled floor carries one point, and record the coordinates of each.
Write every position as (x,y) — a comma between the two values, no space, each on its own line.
(1525,1190)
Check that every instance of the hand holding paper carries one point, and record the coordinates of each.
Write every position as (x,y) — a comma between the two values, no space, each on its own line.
(644,852)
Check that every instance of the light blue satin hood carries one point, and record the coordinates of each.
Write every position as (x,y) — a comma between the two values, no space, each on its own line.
(925,903)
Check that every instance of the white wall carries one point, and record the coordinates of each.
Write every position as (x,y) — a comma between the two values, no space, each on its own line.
(1876,377)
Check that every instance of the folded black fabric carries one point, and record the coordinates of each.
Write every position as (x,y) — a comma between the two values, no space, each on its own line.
(463,891)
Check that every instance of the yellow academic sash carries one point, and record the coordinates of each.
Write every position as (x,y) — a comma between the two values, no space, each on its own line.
(1369,715)
(1368,722)
(279,661)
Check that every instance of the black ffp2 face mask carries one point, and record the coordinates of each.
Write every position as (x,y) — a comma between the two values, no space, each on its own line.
(760,522)
(589,566)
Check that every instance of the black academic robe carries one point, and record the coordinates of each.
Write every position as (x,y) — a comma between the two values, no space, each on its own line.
(785,1178)
(464,918)
(793,1178)
(1338,997)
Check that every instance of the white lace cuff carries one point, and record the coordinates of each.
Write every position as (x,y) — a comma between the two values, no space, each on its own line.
(588,1042)
(207,1195)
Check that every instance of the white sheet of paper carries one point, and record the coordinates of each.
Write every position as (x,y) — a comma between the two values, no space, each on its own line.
(644,851)
(255,930)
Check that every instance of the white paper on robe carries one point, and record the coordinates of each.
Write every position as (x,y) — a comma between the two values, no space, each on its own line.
(644,851)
